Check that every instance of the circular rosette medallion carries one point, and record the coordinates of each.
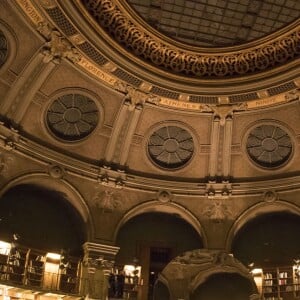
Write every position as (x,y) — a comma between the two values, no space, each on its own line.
(269,146)
(72,117)
(171,147)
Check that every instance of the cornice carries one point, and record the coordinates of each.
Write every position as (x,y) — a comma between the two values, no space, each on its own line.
(13,143)
(266,53)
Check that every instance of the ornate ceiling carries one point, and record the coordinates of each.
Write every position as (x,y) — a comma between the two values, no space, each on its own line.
(217,23)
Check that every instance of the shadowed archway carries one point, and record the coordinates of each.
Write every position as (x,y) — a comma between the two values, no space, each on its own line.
(42,218)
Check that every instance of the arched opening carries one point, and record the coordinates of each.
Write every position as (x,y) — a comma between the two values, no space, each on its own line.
(269,244)
(268,240)
(224,286)
(152,240)
(42,219)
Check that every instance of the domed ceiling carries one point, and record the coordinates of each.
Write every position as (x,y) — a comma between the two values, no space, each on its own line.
(217,23)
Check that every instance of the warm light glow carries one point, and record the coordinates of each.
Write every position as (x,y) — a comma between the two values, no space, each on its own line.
(53,256)
(131,270)
(258,278)
(256,271)
(4,247)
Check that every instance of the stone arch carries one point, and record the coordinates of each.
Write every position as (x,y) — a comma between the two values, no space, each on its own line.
(169,208)
(185,273)
(62,186)
(12,45)
(257,210)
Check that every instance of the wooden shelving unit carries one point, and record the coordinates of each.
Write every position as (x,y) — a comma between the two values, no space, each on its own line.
(280,283)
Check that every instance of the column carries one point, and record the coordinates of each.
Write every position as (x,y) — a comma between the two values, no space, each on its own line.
(213,160)
(119,123)
(27,84)
(96,267)
(135,115)
(227,147)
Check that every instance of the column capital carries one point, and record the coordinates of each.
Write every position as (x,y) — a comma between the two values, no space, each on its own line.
(95,249)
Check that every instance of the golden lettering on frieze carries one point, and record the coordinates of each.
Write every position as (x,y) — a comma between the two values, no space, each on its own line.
(180,104)
(96,71)
(30,11)
(278,99)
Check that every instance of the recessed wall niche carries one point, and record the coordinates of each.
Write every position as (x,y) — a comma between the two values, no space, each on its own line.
(72,117)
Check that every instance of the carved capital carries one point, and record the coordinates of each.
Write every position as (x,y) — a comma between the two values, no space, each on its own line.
(59,47)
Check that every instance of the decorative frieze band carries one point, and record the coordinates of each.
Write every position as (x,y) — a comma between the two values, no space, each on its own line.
(112,17)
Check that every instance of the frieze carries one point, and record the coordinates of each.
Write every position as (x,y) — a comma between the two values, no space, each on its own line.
(117,23)
(31,11)
(95,70)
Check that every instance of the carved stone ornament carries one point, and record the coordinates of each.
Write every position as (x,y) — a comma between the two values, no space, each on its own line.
(59,47)
(114,18)
(107,200)
(135,97)
(164,196)
(217,211)
(56,172)
(5,160)
(270,196)
(192,268)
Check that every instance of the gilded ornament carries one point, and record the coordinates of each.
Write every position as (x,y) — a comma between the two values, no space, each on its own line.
(141,43)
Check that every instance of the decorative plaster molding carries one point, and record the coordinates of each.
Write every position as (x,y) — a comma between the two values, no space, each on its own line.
(59,47)
(217,211)
(107,200)
(5,161)
(164,196)
(270,196)
(56,171)
(113,17)
(218,190)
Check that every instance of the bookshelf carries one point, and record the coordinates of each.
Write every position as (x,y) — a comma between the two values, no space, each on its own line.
(280,284)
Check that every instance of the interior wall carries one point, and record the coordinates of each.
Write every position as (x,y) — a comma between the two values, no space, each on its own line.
(43,219)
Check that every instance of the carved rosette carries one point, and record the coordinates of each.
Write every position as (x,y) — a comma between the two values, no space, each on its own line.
(144,44)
